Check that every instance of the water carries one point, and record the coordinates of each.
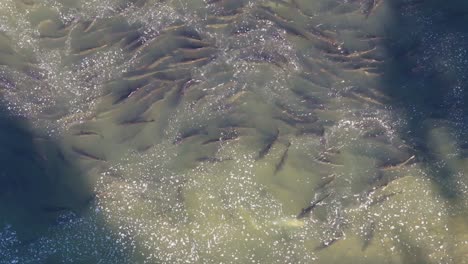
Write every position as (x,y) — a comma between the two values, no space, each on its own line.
(232,131)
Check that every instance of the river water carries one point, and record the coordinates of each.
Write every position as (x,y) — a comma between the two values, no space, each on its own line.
(233,131)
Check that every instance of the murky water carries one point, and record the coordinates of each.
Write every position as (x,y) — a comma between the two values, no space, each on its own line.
(233,131)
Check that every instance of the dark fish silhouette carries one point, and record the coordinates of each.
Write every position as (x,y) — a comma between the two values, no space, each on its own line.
(326,181)
(327,243)
(280,164)
(212,159)
(220,139)
(270,141)
(368,236)
(189,134)
(306,211)
(86,155)
(383,198)
(55,209)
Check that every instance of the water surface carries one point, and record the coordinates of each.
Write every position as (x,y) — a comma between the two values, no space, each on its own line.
(230,131)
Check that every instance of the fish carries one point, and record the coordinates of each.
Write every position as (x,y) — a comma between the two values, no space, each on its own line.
(153,96)
(366,99)
(306,211)
(224,137)
(392,167)
(234,98)
(188,53)
(86,155)
(159,61)
(293,119)
(189,32)
(190,62)
(326,181)
(380,182)
(88,51)
(189,134)
(270,141)
(133,44)
(368,235)
(383,198)
(190,42)
(326,244)
(137,121)
(280,164)
(55,209)
(122,96)
(142,76)
(292,28)
(88,25)
(82,133)
(323,159)
(223,18)
(212,159)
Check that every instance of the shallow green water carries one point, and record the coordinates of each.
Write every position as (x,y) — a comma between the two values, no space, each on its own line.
(230,131)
